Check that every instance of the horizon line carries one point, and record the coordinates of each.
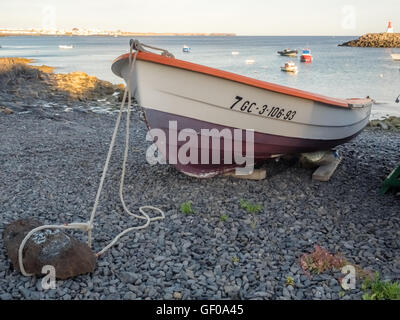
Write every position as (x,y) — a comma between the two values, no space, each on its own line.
(121,33)
(189,34)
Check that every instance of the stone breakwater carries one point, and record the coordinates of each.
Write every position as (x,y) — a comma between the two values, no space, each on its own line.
(375,40)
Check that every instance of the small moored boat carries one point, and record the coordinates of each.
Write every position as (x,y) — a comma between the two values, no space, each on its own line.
(65,47)
(395,56)
(186,49)
(197,98)
(289,67)
(306,56)
(288,53)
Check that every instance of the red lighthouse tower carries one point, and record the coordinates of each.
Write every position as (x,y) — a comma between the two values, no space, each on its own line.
(390,28)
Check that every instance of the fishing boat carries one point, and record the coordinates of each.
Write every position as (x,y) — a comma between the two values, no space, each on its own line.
(395,56)
(186,49)
(288,53)
(198,98)
(306,56)
(290,67)
(65,47)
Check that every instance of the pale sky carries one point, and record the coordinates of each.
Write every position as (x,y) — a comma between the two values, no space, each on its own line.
(243,17)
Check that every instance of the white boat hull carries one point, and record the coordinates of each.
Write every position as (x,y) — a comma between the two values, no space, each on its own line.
(290,69)
(206,98)
(396,57)
(283,123)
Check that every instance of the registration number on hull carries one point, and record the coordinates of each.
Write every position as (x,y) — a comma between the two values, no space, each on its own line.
(265,110)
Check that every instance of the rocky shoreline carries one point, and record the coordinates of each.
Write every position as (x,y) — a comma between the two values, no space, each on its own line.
(23,84)
(54,139)
(390,123)
(375,40)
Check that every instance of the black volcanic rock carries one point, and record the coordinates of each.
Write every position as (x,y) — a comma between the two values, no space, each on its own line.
(53,247)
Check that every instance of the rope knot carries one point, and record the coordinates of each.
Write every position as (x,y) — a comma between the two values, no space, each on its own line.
(138,46)
(134,44)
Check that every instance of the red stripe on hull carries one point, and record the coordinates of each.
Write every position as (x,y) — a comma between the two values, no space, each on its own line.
(265,145)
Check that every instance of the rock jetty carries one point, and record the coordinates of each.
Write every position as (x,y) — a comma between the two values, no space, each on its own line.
(375,40)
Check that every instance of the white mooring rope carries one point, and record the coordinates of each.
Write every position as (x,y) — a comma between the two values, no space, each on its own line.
(88,226)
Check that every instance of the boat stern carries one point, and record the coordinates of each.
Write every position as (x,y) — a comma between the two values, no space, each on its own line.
(360,103)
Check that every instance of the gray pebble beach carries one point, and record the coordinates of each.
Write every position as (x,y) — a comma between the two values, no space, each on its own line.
(51,160)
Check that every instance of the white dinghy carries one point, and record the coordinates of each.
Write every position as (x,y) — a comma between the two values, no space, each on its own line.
(284,120)
(396,56)
(290,67)
(66,47)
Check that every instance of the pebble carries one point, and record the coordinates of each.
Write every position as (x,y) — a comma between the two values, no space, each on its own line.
(286,293)
(231,291)
(6,296)
(129,277)
(299,295)
(177,295)
(28,294)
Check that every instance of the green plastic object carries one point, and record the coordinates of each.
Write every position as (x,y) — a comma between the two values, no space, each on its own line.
(392,181)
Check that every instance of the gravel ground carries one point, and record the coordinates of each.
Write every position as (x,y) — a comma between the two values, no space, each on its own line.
(51,162)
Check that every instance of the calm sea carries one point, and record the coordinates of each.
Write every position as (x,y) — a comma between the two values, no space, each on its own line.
(336,71)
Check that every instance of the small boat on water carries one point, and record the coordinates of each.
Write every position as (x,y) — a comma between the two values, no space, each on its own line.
(290,67)
(288,53)
(197,98)
(65,47)
(235,53)
(249,61)
(395,56)
(186,49)
(306,56)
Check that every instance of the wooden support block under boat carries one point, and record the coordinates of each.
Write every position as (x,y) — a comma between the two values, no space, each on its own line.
(258,174)
(326,162)
(325,172)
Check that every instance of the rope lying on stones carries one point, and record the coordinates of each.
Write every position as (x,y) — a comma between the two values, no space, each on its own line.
(88,226)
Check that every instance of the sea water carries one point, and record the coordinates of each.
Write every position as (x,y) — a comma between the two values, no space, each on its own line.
(340,72)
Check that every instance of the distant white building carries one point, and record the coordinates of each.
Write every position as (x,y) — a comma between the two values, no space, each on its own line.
(390,28)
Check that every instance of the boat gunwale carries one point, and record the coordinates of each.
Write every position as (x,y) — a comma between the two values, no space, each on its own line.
(185,65)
